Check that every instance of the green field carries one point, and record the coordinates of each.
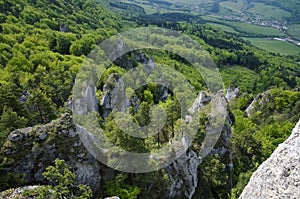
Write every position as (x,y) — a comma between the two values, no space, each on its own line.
(224,28)
(281,47)
(253,29)
(190,1)
(269,12)
(212,18)
(242,28)
(294,30)
(234,6)
(243,77)
(148,9)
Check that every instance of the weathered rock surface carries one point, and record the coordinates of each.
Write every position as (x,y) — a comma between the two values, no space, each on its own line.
(202,99)
(257,102)
(114,97)
(232,93)
(29,151)
(279,176)
(183,173)
(87,102)
(16,193)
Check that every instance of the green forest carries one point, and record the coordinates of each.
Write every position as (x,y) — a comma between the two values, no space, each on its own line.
(43,45)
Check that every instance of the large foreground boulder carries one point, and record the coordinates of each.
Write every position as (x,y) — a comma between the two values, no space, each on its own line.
(278,176)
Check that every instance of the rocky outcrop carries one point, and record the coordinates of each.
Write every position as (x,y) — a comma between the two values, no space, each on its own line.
(114,91)
(30,150)
(17,193)
(232,93)
(114,97)
(257,102)
(183,173)
(279,176)
(87,102)
(202,99)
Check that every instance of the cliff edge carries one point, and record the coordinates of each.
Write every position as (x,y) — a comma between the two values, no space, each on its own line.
(279,175)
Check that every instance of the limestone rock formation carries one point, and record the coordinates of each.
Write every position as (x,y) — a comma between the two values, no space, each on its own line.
(114,97)
(87,101)
(202,99)
(257,102)
(232,93)
(183,173)
(279,176)
(30,150)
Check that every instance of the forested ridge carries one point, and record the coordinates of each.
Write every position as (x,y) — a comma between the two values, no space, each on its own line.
(43,43)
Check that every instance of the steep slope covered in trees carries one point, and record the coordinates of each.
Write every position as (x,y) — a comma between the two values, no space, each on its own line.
(42,43)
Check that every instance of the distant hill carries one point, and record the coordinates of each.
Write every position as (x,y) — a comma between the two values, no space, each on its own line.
(267,9)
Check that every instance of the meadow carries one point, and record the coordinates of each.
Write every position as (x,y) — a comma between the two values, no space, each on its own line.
(251,29)
(234,6)
(269,12)
(294,30)
(244,29)
(224,28)
(274,46)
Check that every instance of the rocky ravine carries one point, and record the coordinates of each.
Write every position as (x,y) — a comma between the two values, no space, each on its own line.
(278,176)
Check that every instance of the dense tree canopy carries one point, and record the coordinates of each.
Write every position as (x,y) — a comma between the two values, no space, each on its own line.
(44,43)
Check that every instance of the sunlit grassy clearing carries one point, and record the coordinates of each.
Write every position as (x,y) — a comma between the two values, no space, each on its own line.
(224,28)
(274,46)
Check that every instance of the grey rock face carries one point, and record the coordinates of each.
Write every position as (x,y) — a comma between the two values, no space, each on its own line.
(16,193)
(87,101)
(202,99)
(183,172)
(258,101)
(114,97)
(232,93)
(279,176)
(16,136)
(34,149)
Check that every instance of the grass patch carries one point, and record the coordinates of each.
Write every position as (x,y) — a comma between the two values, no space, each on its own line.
(212,19)
(251,29)
(294,30)
(152,8)
(149,9)
(194,2)
(239,76)
(244,29)
(274,46)
(233,6)
(224,28)
(269,12)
